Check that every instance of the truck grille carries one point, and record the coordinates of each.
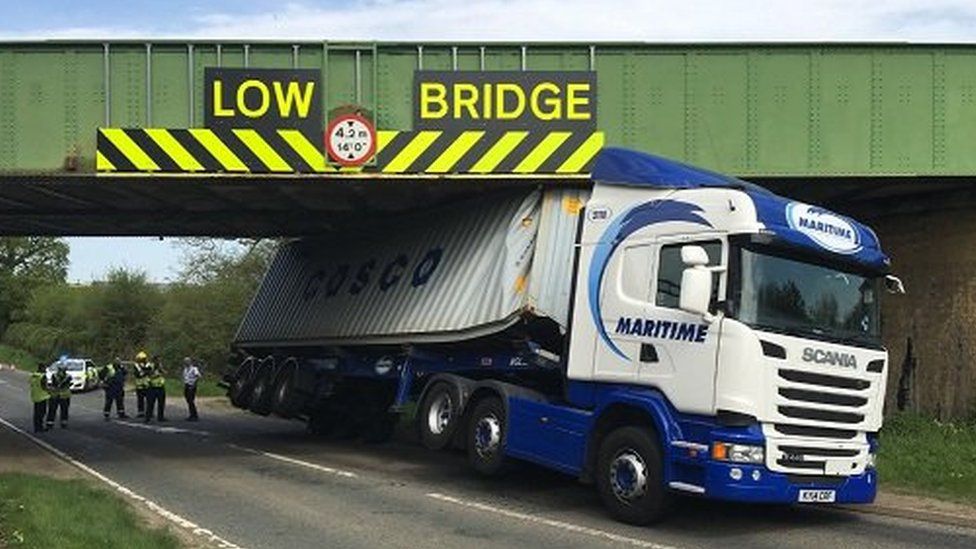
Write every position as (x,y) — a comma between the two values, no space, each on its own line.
(819,426)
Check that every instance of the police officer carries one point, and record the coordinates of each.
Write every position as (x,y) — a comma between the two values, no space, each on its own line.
(60,397)
(112,376)
(142,382)
(156,392)
(39,396)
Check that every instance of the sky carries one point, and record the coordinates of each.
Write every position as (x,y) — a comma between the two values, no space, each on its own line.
(463,20)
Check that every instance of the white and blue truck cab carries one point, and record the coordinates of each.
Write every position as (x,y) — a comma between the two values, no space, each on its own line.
(698,335)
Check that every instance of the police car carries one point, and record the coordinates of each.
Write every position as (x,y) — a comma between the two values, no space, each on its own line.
(83,373)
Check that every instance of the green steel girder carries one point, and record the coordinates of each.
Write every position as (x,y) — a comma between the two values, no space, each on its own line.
(773,110)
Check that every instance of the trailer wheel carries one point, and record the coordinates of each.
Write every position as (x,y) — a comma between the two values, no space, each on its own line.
(287,401)
(240,388)
(261,392)
(437,417)
(630,476)
(485,437)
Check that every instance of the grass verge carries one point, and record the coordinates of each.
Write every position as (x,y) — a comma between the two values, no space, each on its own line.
(928,457)
(21,359)
(43,512)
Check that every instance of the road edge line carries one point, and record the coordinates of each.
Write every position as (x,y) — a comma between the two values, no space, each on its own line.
(562,525)
(176,519)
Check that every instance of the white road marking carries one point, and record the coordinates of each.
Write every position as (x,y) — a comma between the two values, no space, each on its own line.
(153,506)
(568,526)
(293,461)
(161,429)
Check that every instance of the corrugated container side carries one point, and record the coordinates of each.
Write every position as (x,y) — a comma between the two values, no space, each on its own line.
(314,292)
(551,281)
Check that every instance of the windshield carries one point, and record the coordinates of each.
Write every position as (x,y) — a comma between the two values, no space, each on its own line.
(803,298)
(69,365)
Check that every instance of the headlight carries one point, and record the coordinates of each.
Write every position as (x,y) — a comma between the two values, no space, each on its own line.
(738,453)
(872,460)
(383,366)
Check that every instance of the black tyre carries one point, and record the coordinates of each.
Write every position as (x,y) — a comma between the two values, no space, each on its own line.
(486,436)
(439,415)
(287,401)
(240,387)
(630,477)
(263,387)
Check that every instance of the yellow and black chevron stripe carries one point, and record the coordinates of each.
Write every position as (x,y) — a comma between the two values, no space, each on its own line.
(202,150)
(488,152)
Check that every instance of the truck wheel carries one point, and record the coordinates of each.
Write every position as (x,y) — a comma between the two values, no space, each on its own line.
(287,401)
(240,389)
(262,392)
(630,476)
(437,416)
(486,433)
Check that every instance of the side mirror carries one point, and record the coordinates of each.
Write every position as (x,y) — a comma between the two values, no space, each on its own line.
(696,281)
(894,285)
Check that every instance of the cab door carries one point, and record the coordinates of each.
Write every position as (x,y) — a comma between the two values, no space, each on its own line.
(679,350)
(623,297)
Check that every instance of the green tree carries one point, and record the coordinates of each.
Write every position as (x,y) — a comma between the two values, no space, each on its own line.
(56,320)
(123,311)
(203,309)
(27,263)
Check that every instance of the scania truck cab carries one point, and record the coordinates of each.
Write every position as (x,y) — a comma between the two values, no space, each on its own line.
(669,330)
(745,324)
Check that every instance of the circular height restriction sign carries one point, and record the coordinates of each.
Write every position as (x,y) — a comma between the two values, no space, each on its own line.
(350,140)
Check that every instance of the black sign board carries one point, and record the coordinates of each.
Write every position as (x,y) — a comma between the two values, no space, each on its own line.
(515,100)
(269,99)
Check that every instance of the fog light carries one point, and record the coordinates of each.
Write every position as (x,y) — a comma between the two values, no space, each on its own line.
(756,475)
(738,453)
(735,473)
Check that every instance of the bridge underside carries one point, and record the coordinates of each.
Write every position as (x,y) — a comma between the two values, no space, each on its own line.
(215,206)
(85,205)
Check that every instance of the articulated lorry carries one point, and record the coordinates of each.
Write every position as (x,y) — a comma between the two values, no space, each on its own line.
(664,330)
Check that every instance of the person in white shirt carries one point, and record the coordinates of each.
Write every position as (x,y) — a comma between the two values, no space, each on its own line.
(191,374)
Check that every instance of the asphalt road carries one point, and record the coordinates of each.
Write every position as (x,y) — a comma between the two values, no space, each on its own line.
(262,482)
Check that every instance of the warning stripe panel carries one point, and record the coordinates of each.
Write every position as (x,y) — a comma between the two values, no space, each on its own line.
(489,152)
(243,150)
(202,150)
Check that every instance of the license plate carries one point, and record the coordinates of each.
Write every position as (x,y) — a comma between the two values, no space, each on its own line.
(817,496)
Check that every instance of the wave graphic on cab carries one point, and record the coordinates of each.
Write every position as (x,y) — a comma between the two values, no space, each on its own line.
(629,222)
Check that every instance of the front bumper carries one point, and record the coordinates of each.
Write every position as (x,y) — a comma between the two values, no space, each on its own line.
(758,484)
(693,470)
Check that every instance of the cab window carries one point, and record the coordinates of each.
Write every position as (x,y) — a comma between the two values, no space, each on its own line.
(670,268)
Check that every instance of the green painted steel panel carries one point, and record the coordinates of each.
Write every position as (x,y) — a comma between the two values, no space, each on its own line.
(642,100)
(170,87)
(203,56)
(717,117)
(841,140)
(395,71)
(788,109)
(958,115)
(780,133)
(903,92)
